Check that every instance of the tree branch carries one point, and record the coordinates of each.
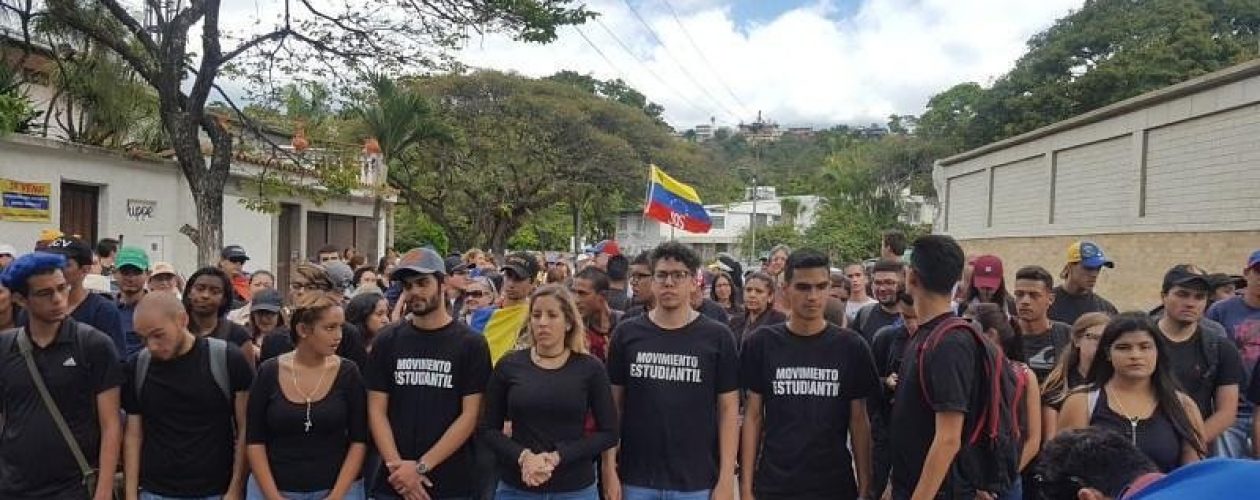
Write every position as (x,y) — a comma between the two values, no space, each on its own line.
(244,47)
(132,25)
(72,17)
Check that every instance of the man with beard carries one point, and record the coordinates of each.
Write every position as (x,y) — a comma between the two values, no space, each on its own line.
(884,312)
(131,272)
(426,376)
(1085,260)
(1043,338)
(1207,366)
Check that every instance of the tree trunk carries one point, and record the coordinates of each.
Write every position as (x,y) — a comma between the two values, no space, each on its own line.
(209,203)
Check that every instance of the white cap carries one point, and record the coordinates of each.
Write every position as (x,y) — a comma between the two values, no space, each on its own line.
(7,249)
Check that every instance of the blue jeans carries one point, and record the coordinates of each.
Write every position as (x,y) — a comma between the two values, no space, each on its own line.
(144,495)
(636,493)
(1235,442)
(505,492)
(254,492)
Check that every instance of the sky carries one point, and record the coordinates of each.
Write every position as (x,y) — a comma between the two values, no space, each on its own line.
(800,63)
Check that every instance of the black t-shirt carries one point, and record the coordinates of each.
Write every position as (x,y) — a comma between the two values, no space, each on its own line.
(714,311)
(744,328)
(870,318)
(669,417)
(35,462)
(351,347)
(1041,350)
(233,333)
(617,299)
(635,310)
(99,312)
(188,424)
(949,379)
(302,459)
(888,348)
(548,410)
(806,384)
(1067,307)
(427,374)
(1190,364)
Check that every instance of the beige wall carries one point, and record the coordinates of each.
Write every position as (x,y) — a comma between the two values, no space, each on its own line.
(1141,258)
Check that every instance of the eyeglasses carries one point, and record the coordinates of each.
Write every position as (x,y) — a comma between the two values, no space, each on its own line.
(636,277)
(676,276)
(475,294)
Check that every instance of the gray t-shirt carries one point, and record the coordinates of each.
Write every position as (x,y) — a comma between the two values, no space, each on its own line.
(1041,351)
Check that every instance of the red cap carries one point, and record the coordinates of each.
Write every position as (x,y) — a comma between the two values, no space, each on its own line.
(987,272)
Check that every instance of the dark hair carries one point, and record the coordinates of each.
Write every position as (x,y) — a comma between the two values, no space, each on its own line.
(357,261)
(358,273)
(736,293)
(327,249)
(806,258)
(1166,387)
(905,298)
(839,279)
(16,277)
(597,277)
(1090,457)
(106,247)
(213,272)
(381,264)
(644,258)
(888,266)
(674,250)
(758,275)
(359,308)
(1001,297)
(1009,338)
(618,267)
(316,275)
(895,240)
(937,261)
(308,311)
(262,273)
(1035,273)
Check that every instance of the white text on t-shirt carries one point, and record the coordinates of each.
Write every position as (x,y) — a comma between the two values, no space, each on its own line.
(806,381)
(667,367)
(424,372)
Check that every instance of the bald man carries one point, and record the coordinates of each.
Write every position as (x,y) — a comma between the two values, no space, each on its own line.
(185,398)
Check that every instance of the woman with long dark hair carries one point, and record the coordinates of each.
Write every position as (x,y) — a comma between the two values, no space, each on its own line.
(1133,392)
(727,294)
(369,313)
(1005,333)
(1071,370)
(758,306)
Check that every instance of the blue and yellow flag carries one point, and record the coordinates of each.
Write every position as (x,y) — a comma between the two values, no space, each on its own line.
(500,326)
(675,203)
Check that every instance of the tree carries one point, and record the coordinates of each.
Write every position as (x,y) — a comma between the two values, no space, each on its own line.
(310,41)
(616,90)
(770,236)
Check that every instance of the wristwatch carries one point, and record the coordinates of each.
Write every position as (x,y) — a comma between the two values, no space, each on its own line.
(422,468)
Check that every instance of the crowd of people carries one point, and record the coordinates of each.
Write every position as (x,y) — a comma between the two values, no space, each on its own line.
(923,374)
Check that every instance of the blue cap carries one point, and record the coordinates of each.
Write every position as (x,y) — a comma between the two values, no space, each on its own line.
(1089,254)
(1254,260)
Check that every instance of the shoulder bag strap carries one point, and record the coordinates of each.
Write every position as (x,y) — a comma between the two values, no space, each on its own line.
(24,345)
(219,367)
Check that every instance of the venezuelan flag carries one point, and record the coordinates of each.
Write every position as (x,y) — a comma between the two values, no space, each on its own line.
(500,326)
(675,203)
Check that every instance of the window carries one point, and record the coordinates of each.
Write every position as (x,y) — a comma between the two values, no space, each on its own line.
(761,220)
(719,222)
(622,223)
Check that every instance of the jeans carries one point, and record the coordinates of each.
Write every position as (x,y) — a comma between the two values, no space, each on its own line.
(636,493)
(254,492)
(505,492)
(144,495)
(1235,442)
(1016,492)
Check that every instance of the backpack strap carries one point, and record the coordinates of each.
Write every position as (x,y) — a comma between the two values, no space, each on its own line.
(143,358)
(1021,384)
(933,338)
(1210,340)
(219,366)
(1091,403)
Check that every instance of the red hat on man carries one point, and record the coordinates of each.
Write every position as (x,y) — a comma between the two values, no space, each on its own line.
(987,272)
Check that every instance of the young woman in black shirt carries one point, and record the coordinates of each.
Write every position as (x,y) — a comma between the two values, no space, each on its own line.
(1134,394)
(1071,370)
(307,415)
(758,306)
(727,295)
(547,392)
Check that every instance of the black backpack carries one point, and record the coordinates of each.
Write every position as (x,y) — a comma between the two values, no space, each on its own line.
(991,446)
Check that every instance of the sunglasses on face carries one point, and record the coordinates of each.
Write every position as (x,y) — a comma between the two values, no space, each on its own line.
(475,294)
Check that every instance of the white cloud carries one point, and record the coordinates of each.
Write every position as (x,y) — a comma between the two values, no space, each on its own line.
(808,66)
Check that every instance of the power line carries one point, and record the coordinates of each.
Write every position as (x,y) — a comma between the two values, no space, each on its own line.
(743,107)
(620,74)
(673,58)
(645,66)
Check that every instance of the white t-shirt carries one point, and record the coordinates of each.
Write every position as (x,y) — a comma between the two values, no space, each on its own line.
(853,306)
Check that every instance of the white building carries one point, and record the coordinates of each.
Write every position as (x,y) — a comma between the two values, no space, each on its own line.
(636,233)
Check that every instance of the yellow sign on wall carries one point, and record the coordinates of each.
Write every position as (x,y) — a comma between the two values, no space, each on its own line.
(25,201)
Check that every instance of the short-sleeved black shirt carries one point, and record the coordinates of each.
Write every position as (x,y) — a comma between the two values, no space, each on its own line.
(35,461)
(301,459)
(672,379)
(352,346)
(1190,366)
(949,380)
(427,374)
(1067,307)
(806,384)
(870,318)
(1041,350)
(188,424)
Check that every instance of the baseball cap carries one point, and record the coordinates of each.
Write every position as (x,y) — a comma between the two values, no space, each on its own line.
(1089,254)
(161,268)
(70,247)
(1254,260)
(340,274)
(234,252)
(419,261)
(609,247)
(987,272)
(1188,276)
(132,256)
(522,263)
(455,264)
(6,249)
(267,299)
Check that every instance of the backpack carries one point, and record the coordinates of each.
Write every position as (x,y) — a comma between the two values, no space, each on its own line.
(989,457)
(218,367)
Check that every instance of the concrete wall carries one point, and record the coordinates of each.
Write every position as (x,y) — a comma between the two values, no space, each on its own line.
(1141,258)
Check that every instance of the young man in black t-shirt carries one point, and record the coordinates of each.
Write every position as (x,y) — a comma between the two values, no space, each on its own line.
(1213,384)
(807,383)
(1075,297)
(930,410)
(183,437)
(885,283)
(1043,338)
(889,349)
(79,366)
(425,379)
(674,377)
